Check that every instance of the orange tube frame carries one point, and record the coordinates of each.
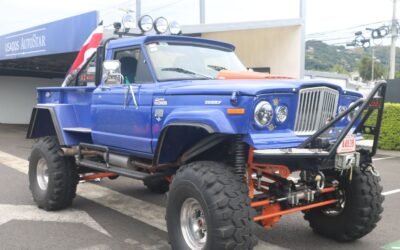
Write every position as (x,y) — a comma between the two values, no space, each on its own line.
(267,202)
(284,172)
(96,176)
(296,209)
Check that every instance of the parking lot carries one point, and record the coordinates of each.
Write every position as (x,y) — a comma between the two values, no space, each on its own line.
(122,214)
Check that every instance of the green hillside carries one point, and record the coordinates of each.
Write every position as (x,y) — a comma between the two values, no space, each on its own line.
(323,57)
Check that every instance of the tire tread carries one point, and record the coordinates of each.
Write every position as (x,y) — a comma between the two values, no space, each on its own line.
(363,217)
(64,175)
(229,203)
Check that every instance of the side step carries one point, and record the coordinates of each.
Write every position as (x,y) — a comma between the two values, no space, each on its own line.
(114,163)
(117,170)
(122,171)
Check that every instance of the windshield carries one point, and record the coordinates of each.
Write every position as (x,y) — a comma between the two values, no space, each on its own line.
(174,61)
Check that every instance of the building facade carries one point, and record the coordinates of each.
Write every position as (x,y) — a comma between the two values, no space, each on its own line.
(268,35)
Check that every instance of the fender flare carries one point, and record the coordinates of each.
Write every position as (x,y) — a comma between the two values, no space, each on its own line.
(205,127)
(214,120)
(44,115)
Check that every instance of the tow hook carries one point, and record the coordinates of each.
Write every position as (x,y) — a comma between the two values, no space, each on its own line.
(320,180)
(371,168)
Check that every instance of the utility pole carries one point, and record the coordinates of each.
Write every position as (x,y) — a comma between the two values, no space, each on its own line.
(202,4)
(373,64)
(138,9)
(392,62)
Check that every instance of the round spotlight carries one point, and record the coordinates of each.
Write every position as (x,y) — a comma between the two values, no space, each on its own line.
(263,114)
(117,26)
(281,113)
(146,23)
(175,28)
(129,21)
(161,25)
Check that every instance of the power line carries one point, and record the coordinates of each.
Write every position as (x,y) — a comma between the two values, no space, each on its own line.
(332,39)
(346,29)
(375,37)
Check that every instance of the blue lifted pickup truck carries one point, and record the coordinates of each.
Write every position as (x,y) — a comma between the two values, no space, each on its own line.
(184,115)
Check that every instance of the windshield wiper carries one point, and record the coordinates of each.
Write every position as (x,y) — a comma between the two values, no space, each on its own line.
(216,67)
(187,72)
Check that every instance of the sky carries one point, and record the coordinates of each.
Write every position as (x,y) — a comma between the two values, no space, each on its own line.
(321,15)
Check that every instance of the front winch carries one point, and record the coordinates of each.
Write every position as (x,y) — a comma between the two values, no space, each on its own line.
(347,161)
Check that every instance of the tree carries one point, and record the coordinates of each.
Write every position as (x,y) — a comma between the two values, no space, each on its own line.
(338,68)
(365,69)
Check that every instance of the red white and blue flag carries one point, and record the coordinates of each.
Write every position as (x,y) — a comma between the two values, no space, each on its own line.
(86,52)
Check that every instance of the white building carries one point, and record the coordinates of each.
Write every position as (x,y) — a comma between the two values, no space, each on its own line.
(268,34)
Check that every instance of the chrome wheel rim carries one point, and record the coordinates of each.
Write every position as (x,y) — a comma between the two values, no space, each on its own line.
(42,174)
(193,224)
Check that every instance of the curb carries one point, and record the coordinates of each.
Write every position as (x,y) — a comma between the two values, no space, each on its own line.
(368,144)
(389,153)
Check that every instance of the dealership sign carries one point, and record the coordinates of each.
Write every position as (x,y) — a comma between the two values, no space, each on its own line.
(62,36)
(27,43)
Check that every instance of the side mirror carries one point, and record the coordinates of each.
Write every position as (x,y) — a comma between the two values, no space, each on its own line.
(112,72)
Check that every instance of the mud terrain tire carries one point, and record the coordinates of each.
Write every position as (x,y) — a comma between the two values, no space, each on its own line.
(361,211)
(223,198)
(55,187)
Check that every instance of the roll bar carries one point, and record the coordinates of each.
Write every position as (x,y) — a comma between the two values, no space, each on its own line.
(369,105)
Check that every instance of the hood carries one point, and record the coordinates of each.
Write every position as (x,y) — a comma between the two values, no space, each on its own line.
(244,87)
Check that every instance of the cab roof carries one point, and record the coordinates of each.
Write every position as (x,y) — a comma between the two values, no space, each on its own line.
(140,40)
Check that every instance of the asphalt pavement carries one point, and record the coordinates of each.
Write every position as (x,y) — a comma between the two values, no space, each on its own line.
(123,214)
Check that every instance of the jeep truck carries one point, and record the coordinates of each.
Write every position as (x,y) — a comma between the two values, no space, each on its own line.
(232,148)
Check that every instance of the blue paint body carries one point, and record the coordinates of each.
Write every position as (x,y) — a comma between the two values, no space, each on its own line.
(111,121)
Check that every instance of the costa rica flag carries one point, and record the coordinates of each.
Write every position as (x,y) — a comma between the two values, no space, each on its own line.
(86,52)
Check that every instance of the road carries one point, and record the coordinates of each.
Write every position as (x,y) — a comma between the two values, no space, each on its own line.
(122,214)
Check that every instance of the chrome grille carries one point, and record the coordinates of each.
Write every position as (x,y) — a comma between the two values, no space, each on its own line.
(315,106)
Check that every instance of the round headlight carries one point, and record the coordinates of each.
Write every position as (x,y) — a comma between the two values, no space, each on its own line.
(161,25)
(263,114)
(129,21)
(351,115)
(174,28)
(281,113)
(146,23)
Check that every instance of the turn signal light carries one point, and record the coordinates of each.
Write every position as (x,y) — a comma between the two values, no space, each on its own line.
(236,111)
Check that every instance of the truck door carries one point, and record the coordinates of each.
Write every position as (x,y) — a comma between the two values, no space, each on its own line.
(121,113)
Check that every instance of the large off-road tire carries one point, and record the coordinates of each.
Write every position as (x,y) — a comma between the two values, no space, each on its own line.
(52,177)
(208,196)
(360,209)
